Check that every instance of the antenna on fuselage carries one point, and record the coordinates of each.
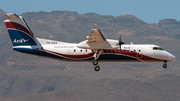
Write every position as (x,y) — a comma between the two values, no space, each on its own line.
(131,43)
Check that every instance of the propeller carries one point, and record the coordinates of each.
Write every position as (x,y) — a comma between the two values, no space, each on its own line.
(120,42)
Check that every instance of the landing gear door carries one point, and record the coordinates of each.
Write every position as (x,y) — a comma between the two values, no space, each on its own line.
(139,53)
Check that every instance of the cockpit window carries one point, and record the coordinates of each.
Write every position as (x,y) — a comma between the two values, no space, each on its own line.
(157,48)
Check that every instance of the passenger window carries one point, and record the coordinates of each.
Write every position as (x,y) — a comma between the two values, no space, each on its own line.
(111,50)
(114,50)
(118,50)
(134,50)
(126,50)
(81,50)
(86,50)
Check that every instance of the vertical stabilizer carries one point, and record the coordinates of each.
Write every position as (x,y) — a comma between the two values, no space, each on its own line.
(19,31)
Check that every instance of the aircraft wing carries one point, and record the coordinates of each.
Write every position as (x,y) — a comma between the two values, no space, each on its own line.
(95,36)
(96,40)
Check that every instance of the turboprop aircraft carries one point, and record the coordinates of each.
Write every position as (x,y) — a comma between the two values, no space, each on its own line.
(95,49)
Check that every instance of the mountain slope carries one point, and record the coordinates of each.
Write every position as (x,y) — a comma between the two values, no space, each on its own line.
(36,78)
(109,89)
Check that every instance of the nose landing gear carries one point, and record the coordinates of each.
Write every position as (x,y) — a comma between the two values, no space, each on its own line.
(165,65)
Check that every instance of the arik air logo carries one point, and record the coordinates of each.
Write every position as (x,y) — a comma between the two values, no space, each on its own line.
(20,41)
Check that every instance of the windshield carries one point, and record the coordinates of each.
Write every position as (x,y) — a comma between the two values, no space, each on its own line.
(157,48)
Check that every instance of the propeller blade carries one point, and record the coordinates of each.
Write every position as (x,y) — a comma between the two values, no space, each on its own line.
(120,42)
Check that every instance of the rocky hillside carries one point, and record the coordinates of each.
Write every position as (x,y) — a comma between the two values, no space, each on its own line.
(24,76)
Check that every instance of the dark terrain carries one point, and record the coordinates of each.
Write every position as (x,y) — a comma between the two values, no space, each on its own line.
(30,78)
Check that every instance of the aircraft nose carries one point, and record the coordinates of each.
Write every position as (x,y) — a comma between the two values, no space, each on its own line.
(171,57)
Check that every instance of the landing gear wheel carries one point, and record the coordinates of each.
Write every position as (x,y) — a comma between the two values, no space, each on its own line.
(164,65)
(95,62)
(96,68)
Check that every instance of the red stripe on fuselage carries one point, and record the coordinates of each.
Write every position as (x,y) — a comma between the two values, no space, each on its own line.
(124,52)
(133,54)
(13,25)
(84,56)
(150,59)
(127,53)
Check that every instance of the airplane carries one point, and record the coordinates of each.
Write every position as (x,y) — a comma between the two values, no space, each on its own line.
(96,48)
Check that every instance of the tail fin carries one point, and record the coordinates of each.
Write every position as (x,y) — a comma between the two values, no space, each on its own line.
(19,31)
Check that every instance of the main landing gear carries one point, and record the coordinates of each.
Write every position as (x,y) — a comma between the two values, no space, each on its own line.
(95,61)
(165,65)
(96,68)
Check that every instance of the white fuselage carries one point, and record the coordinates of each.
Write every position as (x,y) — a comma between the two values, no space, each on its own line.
(70,52)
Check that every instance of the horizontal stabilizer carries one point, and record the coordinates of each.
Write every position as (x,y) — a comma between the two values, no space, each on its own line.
(11,16)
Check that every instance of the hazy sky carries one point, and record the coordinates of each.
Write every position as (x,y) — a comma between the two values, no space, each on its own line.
(149,11)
